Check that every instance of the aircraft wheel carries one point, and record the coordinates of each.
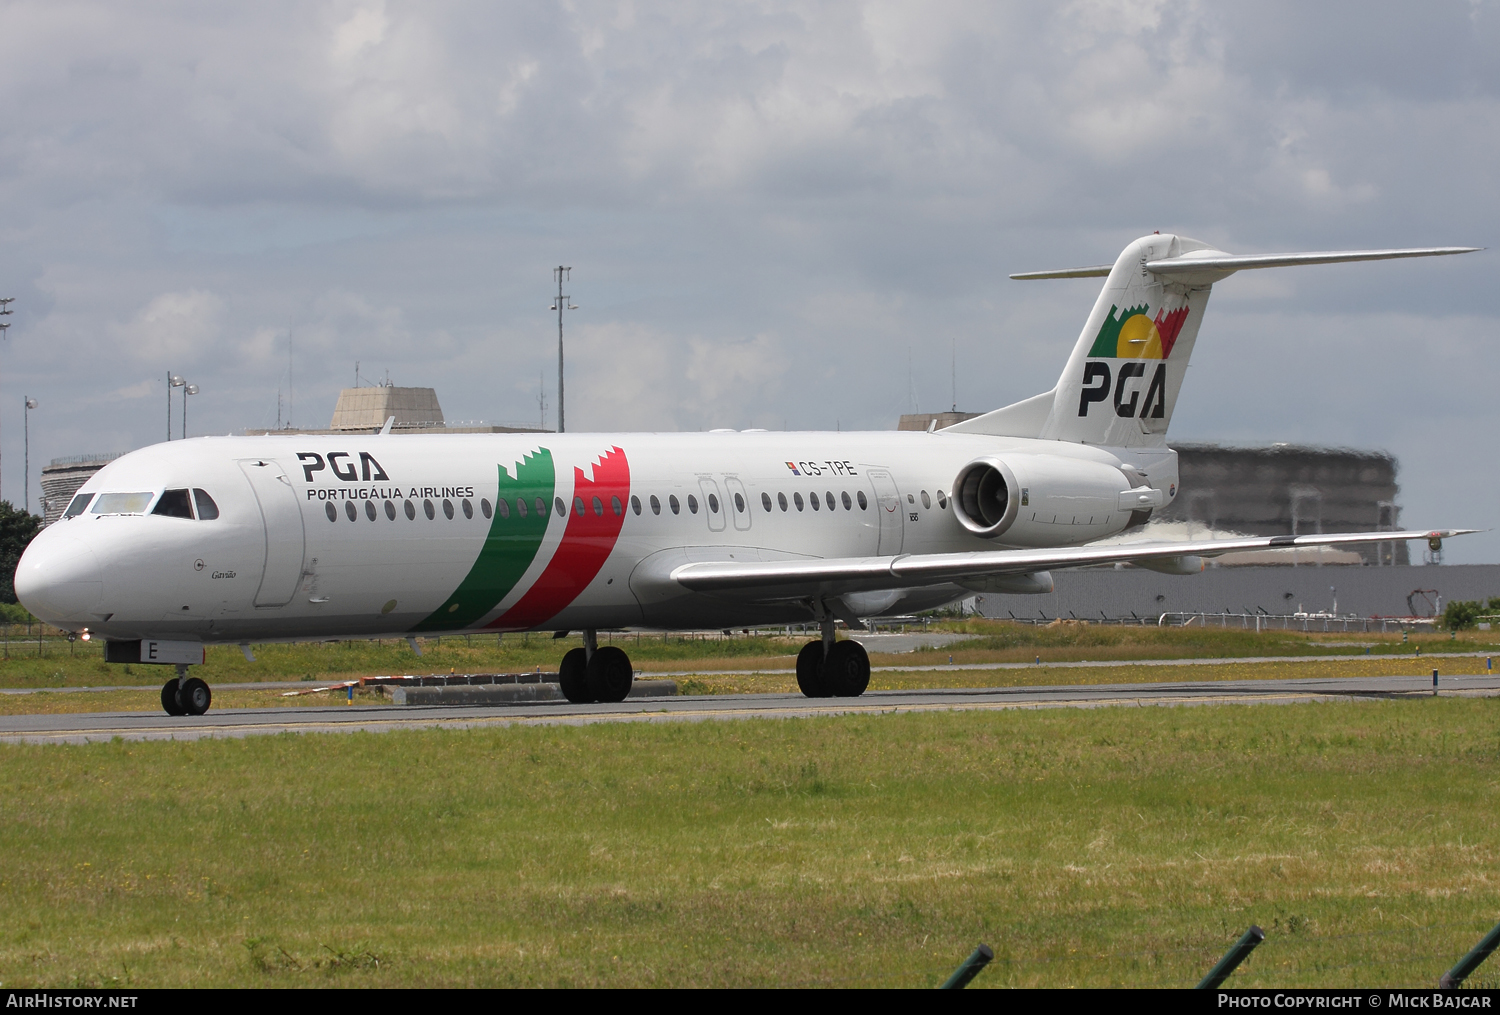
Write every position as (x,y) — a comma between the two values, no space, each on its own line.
(195,697)
(846,671)
(610,674)
(572,676)
(169,698)
(810,670)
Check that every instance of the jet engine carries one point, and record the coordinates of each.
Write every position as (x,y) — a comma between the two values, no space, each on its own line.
(986,497)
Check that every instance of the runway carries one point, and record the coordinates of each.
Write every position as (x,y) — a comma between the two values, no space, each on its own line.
(102,726)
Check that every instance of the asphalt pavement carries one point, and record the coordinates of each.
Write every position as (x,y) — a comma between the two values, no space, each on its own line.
(103,726)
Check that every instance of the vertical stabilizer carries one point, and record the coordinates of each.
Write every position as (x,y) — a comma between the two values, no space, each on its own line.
(1121,382)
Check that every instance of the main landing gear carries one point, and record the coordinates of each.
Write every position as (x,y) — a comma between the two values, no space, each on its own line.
(592,673)
(833,669)
(184,695)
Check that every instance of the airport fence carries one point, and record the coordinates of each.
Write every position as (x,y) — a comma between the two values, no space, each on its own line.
(1291,944)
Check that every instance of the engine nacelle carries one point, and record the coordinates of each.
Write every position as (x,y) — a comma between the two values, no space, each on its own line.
(986,497)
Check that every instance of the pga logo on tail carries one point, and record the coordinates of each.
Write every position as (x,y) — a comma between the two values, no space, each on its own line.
(1131,335)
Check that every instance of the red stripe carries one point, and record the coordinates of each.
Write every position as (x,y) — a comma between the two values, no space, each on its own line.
(586,544)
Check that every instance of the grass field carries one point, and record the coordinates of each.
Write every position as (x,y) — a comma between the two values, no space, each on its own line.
(1088,847)
(82,664)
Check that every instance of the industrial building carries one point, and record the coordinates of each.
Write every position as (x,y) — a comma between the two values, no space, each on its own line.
(414,410)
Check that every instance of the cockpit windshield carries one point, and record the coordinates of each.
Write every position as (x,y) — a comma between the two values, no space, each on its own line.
(78,506)
(174,504)
(122,503)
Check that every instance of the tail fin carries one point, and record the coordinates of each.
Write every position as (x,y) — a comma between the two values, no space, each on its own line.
(1121,383)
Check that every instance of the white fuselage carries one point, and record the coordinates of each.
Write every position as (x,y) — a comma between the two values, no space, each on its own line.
(320,536)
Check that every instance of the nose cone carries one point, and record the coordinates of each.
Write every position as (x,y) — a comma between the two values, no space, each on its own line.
(59,580)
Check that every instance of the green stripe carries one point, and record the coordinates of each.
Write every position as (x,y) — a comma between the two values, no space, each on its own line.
(1107,343)
(508,550)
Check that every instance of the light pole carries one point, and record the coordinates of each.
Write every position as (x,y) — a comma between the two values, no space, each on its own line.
(190,389)
(26,427)
(173,381)
(562,271)
(5,311)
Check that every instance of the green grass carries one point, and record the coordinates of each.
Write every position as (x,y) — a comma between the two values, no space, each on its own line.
(82,664)
(1088,847)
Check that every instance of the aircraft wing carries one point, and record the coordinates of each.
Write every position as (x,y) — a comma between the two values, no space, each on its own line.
(767,581)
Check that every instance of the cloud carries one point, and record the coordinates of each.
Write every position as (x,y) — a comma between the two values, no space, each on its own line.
(769,205)
(177,326)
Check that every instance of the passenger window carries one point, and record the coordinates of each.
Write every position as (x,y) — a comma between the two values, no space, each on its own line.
(173,504)
(520,508)
(812,499)
(676,508)
(207,509)
(578,508)
(910,499)
(926,501)
(829,495)
(78,505)
(713,503)
(557,503)
(503,506)
(121,503)
(390,511)
(541,506)
(739,503)
(692,504)
(797,499)
(598,508)
(370,510)
(942,501)
(619,509)
(468,508)
(484,505)
(448,509)
(781,500)
(331,512)
(427,509)
(655,505)
(350,510)
(635,504)
(848,506)
(411,511)
(863,503)
(765,501)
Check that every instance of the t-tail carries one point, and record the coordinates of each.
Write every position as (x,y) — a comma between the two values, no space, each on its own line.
(1122,380)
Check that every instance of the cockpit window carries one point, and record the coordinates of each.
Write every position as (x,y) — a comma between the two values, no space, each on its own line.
(174,504)
(208,510)
(79,505)
(122,503)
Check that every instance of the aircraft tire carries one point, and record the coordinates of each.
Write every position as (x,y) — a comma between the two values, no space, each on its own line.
(846,671)
(572,677)
(169,698)
(609,674)
(195,697)
(810,671)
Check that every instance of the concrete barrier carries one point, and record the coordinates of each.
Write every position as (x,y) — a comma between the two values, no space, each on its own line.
(504,694)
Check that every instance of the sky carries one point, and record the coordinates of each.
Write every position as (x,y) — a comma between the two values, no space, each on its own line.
(779,215)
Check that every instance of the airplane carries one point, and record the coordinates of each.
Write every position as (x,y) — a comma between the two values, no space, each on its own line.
(239,540)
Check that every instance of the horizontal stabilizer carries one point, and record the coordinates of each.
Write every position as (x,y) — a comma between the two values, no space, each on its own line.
(1203,260)
(1217,261)
(780,580)
(1097,271)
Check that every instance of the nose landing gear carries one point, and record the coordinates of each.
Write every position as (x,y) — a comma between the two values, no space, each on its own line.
(184,695)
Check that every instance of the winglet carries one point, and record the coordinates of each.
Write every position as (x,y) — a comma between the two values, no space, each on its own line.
(389,422)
